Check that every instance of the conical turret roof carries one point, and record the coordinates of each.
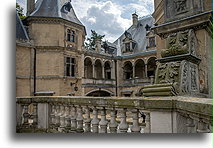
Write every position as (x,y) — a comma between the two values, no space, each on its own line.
(56,8)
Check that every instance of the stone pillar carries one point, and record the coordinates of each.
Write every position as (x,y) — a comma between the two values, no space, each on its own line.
(135,127)
(113,124)
(133,74)
(95,120)
(57,116)
(79,120)
(123,126)
(87,120)
(34,114)
(43,115)
(103,123)
(73,119)
(67,118)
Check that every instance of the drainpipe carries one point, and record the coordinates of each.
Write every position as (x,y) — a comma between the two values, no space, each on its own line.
(116,79)
(34,67)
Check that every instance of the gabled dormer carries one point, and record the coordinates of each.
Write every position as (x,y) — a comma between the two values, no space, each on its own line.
(129,43)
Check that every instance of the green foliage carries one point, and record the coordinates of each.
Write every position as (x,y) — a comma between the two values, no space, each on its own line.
(91,42)
(19,10)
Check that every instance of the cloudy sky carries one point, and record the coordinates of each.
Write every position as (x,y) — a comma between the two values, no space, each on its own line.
(108,17)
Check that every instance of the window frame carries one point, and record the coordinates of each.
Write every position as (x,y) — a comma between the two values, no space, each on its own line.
(70,67)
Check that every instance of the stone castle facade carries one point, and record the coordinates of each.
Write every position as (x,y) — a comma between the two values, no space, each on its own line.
(51,58)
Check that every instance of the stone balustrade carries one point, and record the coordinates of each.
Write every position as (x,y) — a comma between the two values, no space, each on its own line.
(113,115)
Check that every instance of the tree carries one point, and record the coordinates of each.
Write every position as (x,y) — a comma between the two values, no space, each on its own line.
(90,43)
(19,10)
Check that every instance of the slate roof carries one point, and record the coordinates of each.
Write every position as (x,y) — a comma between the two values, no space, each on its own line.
(21,33)
(55,8)
(138,34)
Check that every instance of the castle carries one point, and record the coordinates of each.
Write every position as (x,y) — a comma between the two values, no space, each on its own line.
(51,58)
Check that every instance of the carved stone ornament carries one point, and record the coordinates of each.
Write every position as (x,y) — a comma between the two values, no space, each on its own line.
(183,42)
(180,6)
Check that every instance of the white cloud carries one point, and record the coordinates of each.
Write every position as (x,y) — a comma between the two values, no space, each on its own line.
(110,17)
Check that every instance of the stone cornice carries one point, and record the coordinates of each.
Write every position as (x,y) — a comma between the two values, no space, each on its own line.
(196,22)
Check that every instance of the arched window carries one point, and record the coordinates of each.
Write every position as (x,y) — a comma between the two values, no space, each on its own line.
(128,70)
(98,69)
(88,70)
(140,69)
(151,66)
(70,35)
(107,70)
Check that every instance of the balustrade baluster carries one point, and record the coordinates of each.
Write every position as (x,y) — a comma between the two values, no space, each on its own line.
(57,117)
(103,123)
(73,119)
(52,116)
(62,118)
(95,120)
(87,120)
(135,127)
(123,126)
(113,124)
(35,115)
(67,119)
(79,120)
(190,125)
(26,116)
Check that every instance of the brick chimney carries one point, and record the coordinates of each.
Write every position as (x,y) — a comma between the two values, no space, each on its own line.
(134,19)
(30,6)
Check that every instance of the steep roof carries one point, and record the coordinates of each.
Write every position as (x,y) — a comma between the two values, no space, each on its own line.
(138,34)
(56,8)
(21,33)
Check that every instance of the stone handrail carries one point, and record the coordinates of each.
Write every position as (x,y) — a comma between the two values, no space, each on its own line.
(114,115)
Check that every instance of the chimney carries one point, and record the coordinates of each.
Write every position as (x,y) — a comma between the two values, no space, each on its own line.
(98,45)
(30,6)
(134,19)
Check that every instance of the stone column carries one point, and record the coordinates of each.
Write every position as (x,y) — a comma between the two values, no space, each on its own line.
(133,73)
(113,124)
(93,71)
(79,120)
(123,126)
(67,118)
(95,120)
(135,127)
(52,116)
(57,117)
(146,72)
(35,116)
(103,123)
(103,74)
(87,120)
(62,118)
(73,119)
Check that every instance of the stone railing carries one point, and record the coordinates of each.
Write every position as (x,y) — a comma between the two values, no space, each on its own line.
(114,115)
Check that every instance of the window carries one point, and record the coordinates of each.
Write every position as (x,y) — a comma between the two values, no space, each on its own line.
(70,35)
(70,67)
(127,47)
(152,42)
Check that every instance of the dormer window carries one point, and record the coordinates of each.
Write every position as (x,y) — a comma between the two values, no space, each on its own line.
(70,35)
(129,43)
(152,42)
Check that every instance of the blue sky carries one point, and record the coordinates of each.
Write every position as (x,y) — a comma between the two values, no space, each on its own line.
(108,17)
